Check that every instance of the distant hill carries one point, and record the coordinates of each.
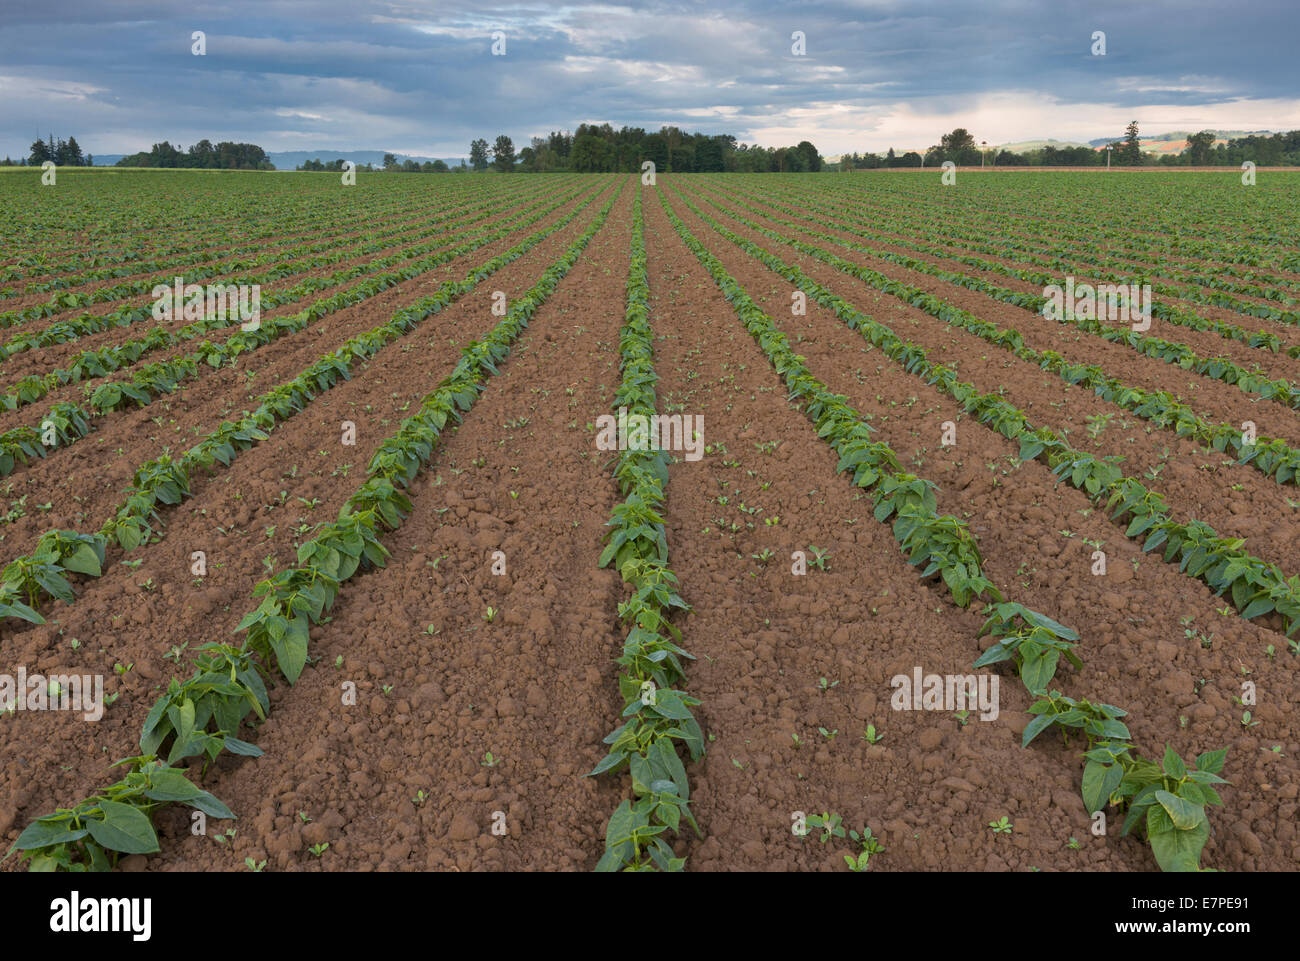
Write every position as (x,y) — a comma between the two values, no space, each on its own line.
(1024,145)
(290,159)
(1175,142)
(1222,136)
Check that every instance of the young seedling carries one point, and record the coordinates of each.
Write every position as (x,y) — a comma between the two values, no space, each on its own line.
(254,866)
(489,760)
(870,845)
(963,717)
(829,735)
(821,683)
(831,825)
(819,557)
(1098,423)
(1001,826)
(319,849)
(490,614)
(870,735)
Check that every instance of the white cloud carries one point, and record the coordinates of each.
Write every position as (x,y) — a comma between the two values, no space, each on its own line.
(46,88)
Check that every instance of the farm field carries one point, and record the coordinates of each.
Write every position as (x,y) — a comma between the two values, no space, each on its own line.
(368,590)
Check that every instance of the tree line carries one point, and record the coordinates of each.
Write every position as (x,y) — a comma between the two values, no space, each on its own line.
(390,165)
(65,153)
(204,155)
(959,146)
(602,149)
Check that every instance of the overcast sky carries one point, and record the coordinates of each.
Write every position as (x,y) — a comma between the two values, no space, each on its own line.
(420,78)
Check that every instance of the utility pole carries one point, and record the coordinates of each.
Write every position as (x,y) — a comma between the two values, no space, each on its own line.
(983,146)
(1109,148)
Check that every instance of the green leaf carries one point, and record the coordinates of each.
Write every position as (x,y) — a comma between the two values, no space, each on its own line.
(1183,813)
(1174,849)
(124,828)
(235,746)
(1036,727)
(83,561)
(608,763)
(1099,783)
(1173,764)
(669,704)
(21,611)
(997,652)
(610,862)
(642,775)
(1038,668)
(291,649)
(170,784)
(670,814)
(43,833)
(618,833)
(1211,761)
(666,759)
(1260,605)
(1045,622)
(210,806)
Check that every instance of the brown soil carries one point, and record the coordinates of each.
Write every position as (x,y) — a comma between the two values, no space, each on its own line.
(1238,501)
(1206,343)
(402,779)
(238,521)
(83,489)
(58,355)
(1132,645)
